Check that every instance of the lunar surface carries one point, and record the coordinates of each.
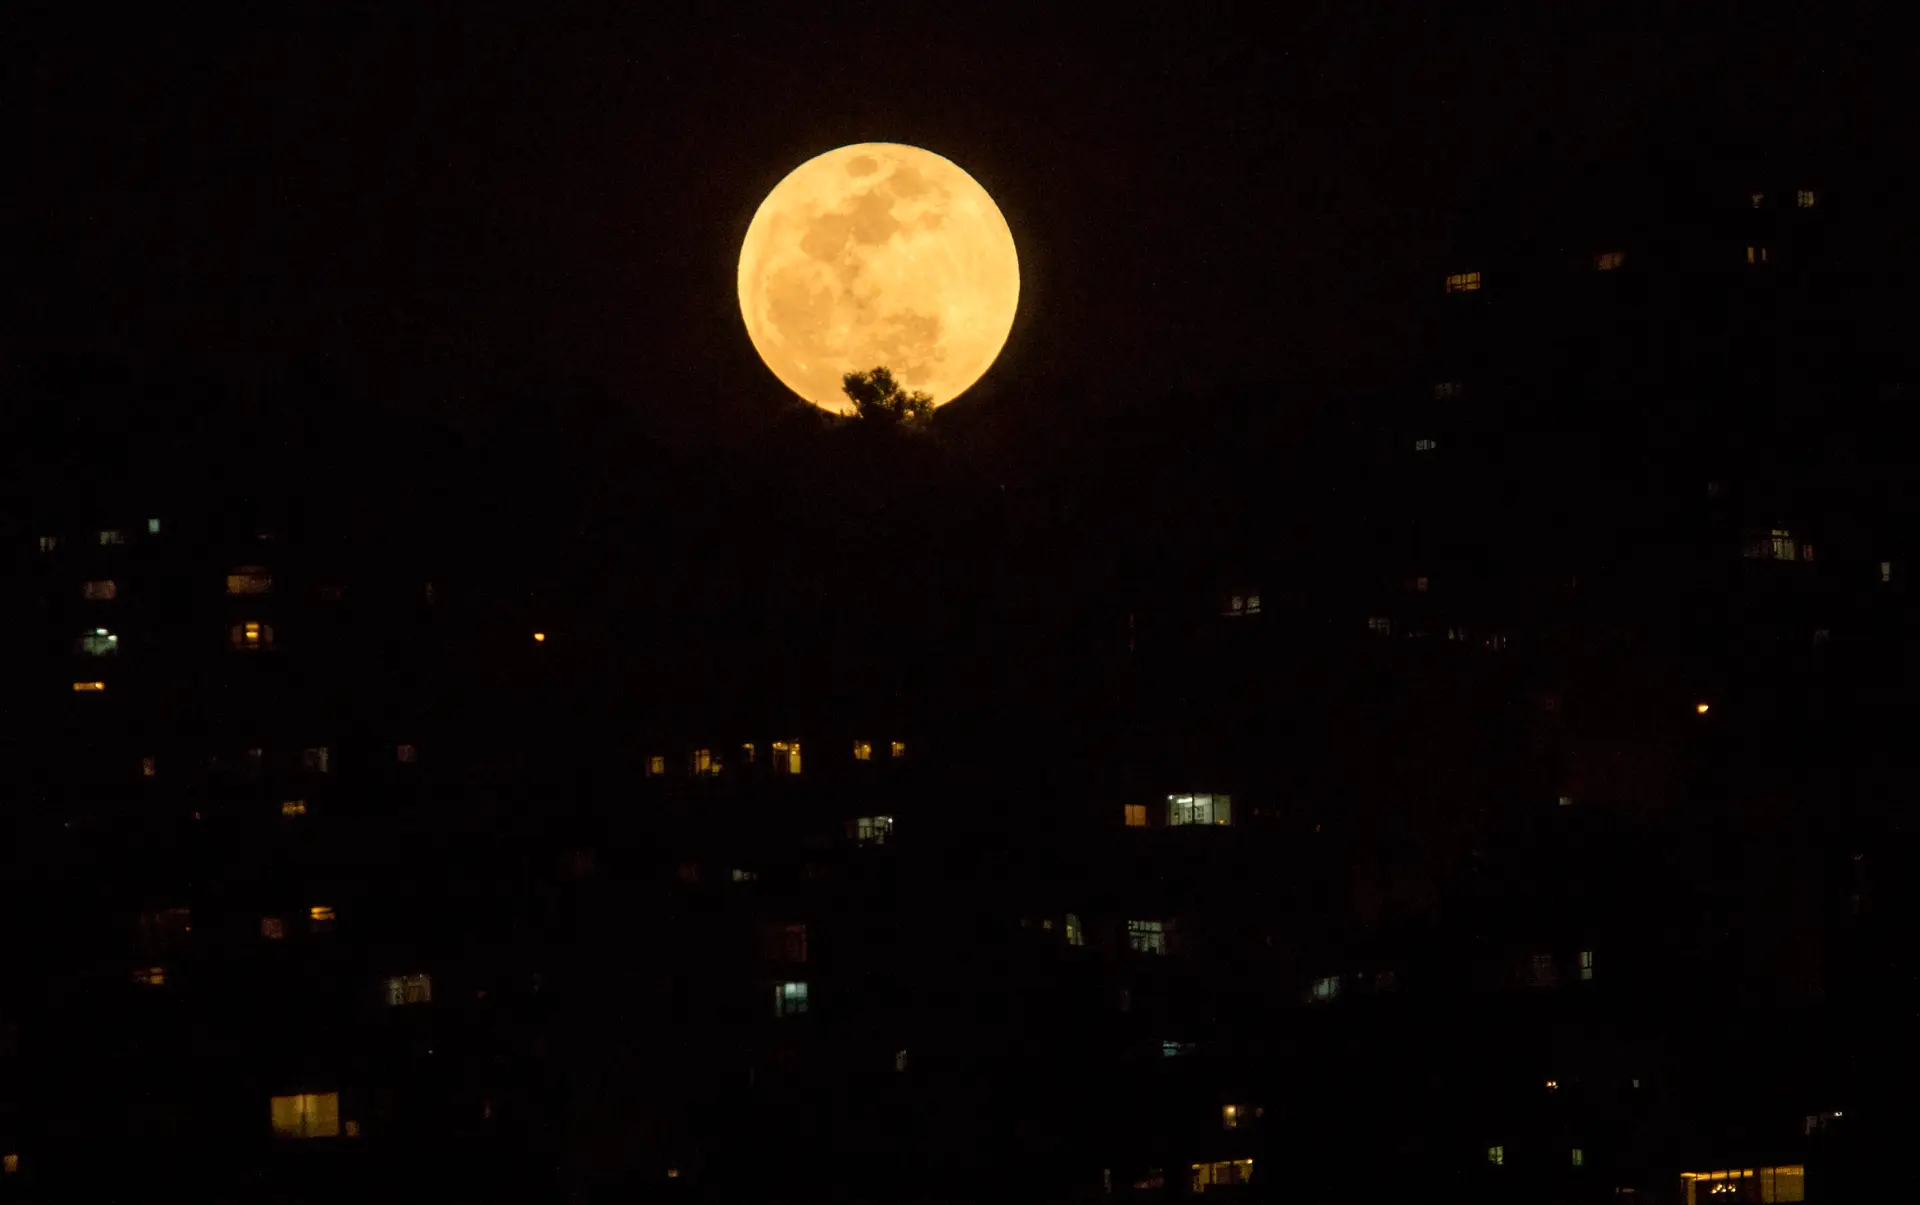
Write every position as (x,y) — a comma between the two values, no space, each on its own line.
(878,254)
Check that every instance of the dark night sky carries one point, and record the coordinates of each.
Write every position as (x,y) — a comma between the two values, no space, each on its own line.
(436,209)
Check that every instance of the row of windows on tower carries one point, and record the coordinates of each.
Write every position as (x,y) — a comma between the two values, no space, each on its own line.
(783,757)
(107,537)
(317,759)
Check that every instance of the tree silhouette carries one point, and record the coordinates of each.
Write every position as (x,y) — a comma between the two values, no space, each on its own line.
(878,398)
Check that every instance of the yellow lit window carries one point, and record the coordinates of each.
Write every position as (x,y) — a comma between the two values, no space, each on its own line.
(311,1115)
(1586,964)
(250,636)
(321,917)
(409,989)
(656,766)
(786,757)
(1607,261)
(748,753)
(150,976)
(249,579)
(1775,1184)
(9,1164)
(1229,1117)
(703,764)
(1496,1154)
(147,767)
(863,750)
(1804,198)
(898,749)
(294,807)
(99,591)
(272,928)
(352,1129)
(1136,815)
(1222,1174)
(89,687)
(1553,1085)
(1463,282)
(1579,1157)
(539,637)
(1756,255)
(1076,936)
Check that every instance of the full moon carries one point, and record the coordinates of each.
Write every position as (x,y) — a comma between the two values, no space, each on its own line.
(878,254)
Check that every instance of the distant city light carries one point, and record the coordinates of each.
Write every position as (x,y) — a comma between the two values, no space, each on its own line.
(1700,708)
(539,637)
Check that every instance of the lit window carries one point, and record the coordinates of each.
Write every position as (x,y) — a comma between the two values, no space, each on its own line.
(1426,445)
(539,637)
(1463,282)
(89,688)
(1199,809)
(147,767)
(352,1129)
(406,754)
(9,1164)
(1380,625)
(656,766)
(249,579)
(1496,1154)
(272,928)
(870,830)
(99,591)
(312,1115)
(1586,964)
(1446,391)
(898,749)
(1495,642)
(1772,544)
(899,1060)
(150,976)
(745,876)
(1222,1174)
(49,543)
(1756,255)
(1607,261)
(789,999)
(1136,815)
(1076,936)
(1579,1157)
(1553,1085)
(1147,936)
(784,942)
(1803,198)
(1327,987)
(108,538)
(1756,198)
(1775,1184)
(701,763)
(409,989)
(294,807)
(748,753)
(786,757)
(1229,1117)
(321,918)
(1173,1050)
(153,527)
(863,750)
(251,637)
(1239,605)
(1566,801)
(1886,571)
(314,760)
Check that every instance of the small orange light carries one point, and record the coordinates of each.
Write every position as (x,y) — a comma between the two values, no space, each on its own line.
(1700,708)
(539,637)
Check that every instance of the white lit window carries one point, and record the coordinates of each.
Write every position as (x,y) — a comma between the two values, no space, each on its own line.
(870,830)
(1566,801)
(249,579)
(1380,625)
(1804,198)
(49,543)
(1222,1174)
(99,591)
(786,757)
(1496,1154)
(701,763)
(1886,571)
(311,1115)
(1426,445)
(98,643)
(315,760)
(1136,815)
(1199,809)
(112,537)
(251,637)
(1173,1050)
(789,999)
(153,527)
(1076,936)
(863,750)
(409,989)
(899,1060)
(1147,936)
(1772,544)
(1607,261)
(1463,282)
(1327,987)
(1586,964)
(1446,391)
